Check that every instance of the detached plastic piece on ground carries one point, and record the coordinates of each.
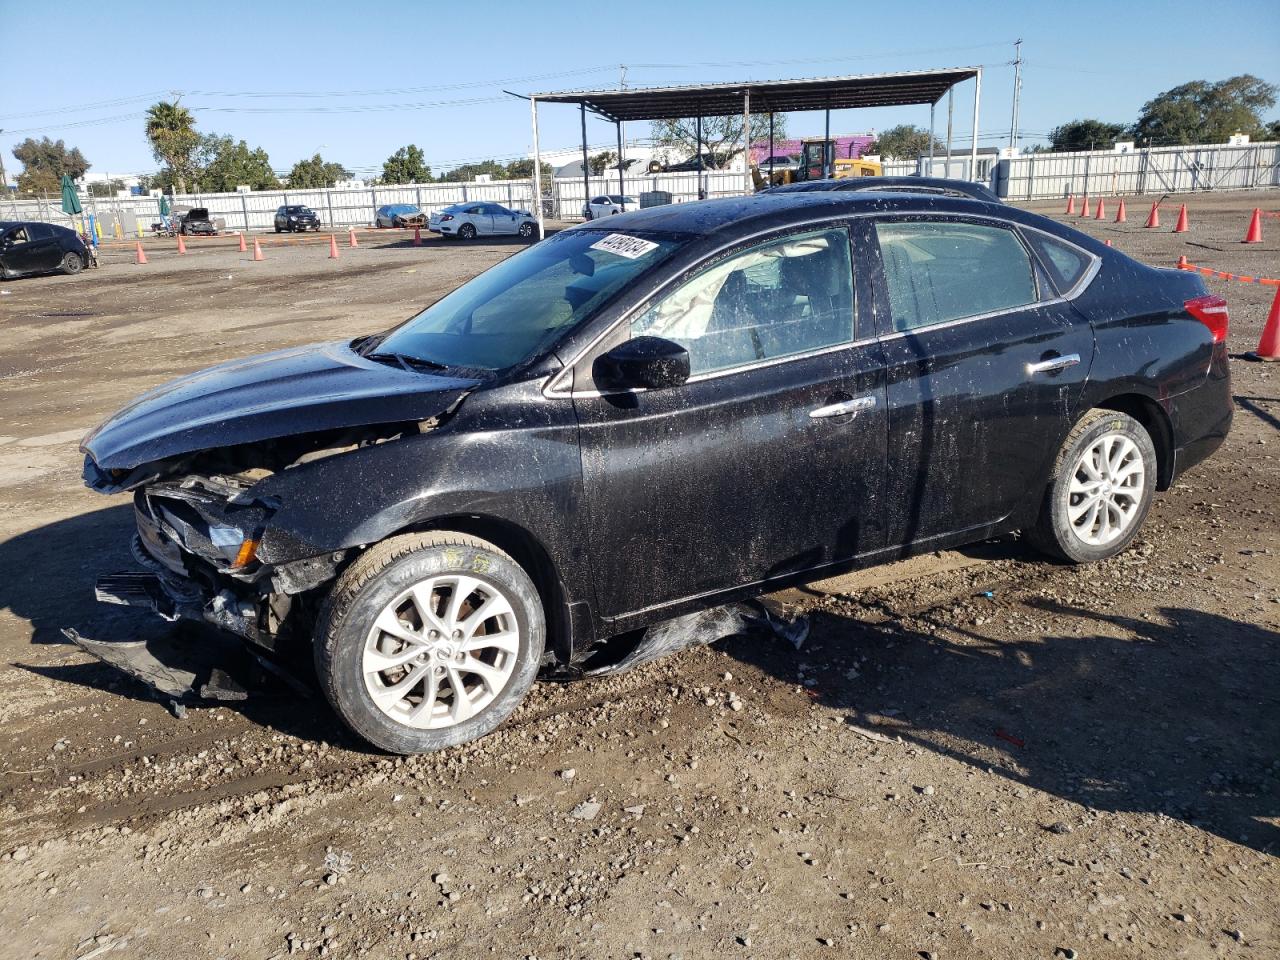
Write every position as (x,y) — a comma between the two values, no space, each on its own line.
(176,665)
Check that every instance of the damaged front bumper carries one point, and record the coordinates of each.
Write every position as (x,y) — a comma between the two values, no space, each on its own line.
(197,541)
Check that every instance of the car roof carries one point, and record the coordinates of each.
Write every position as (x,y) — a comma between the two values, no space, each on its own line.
(768,209)
(922,184)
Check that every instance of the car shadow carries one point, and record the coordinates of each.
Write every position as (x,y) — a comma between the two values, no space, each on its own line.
(1177,715)
(51,572)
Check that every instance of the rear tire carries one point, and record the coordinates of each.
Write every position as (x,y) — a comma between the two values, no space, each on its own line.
(1100,490)
(467,231)
(395,687)
(72,263)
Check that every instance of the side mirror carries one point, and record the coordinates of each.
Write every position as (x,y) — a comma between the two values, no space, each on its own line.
(644,362)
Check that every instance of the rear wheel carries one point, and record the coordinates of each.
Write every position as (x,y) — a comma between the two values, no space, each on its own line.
(429,640)
(1101,489)
(467,231)
(72,263)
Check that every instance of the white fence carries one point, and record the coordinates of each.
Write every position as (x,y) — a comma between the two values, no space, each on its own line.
(1036,176)
(1042,176)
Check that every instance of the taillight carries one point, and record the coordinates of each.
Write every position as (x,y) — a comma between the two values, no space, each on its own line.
(1211,310)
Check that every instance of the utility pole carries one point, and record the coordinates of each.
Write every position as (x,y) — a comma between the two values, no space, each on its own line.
(1017,90)
(4,181)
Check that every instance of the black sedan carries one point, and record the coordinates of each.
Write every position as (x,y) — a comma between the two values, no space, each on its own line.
(688,406)
(934,186)
(295,217)
(29,247)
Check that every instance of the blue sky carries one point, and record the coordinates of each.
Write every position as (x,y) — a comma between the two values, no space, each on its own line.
(357,81)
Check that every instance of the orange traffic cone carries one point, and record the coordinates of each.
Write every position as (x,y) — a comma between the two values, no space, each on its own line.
(417,236)
(1071,204)
(1182,262)
(1120,217)
(1102,210)
(1108,243)
(182,247)
(1269,342)
(351,238)
(1181,225)
(333,247)
(1254,233)
(257,250)
(1153,219)
(141,256)
(1084,207)
(243,248)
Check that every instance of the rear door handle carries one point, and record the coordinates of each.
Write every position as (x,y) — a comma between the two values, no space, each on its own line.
(1053,365)
(844,408)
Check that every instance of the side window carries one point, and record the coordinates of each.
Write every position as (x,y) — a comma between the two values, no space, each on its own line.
(1066,264)
(16,235)
(40,231)
(937,272)
(775,300)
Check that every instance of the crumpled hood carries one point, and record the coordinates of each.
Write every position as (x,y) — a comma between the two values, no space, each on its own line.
(285,393)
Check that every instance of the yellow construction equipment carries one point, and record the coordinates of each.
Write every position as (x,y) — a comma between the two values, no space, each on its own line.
(815,162)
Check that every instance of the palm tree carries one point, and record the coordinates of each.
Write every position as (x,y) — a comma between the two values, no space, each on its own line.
(171,130)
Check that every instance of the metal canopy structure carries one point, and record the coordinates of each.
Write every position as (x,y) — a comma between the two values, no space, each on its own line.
(769,96)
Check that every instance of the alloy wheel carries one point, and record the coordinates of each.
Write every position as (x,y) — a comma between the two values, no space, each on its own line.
(1105,492)
(441,651)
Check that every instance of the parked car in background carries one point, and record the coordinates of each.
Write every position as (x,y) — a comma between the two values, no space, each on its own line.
(680,407)
(197,222)
(935,186)
(296,217)
(482,219)
(399,215)
(607,206)
(28,247)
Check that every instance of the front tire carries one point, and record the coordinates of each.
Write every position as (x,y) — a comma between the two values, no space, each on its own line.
(72,263)
(401,655)
(527,231)
(1100,491)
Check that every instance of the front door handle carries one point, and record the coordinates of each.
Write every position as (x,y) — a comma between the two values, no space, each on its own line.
(1054,364)
(844,408)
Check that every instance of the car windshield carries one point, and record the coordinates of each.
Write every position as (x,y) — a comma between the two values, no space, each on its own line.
(300,210)
(515,309)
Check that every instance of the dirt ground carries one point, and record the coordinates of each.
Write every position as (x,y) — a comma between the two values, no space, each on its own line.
(978,754)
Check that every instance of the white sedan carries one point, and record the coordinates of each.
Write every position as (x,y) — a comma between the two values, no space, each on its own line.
(605,206)
(476,219)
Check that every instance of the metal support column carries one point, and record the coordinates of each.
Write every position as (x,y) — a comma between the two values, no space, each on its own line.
(931,138)
(746,143)
(622,188)
(586,168)
(973,150)
(951,106)
(826,147)
(537,168)
(698,154)
(770,148)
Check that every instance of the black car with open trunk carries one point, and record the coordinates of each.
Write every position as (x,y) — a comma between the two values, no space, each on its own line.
(689,405)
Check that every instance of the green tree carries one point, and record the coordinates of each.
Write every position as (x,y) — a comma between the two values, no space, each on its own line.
(106,189)
(406,165)
(469,171)
(172,134)
(44,162)
(523,170)
(1086,135)
(721,136)
(1204,112)
(225,164)
(903,142)
(1273,130)
(602,162)
(315,172)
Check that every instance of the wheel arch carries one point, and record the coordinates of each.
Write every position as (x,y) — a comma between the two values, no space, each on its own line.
(532,556)
(1155,420)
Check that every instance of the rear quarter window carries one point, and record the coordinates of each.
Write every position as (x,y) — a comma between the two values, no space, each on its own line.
(1066,264)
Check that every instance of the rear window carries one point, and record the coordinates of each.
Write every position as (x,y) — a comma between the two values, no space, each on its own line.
(936,272)
(1066,264)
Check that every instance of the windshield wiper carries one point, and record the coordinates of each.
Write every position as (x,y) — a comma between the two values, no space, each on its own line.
(405,361)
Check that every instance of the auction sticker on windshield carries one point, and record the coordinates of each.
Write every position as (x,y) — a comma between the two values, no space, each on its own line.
(633,248)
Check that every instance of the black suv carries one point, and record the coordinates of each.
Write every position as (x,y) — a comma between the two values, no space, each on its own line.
(683,407)
(296,217)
